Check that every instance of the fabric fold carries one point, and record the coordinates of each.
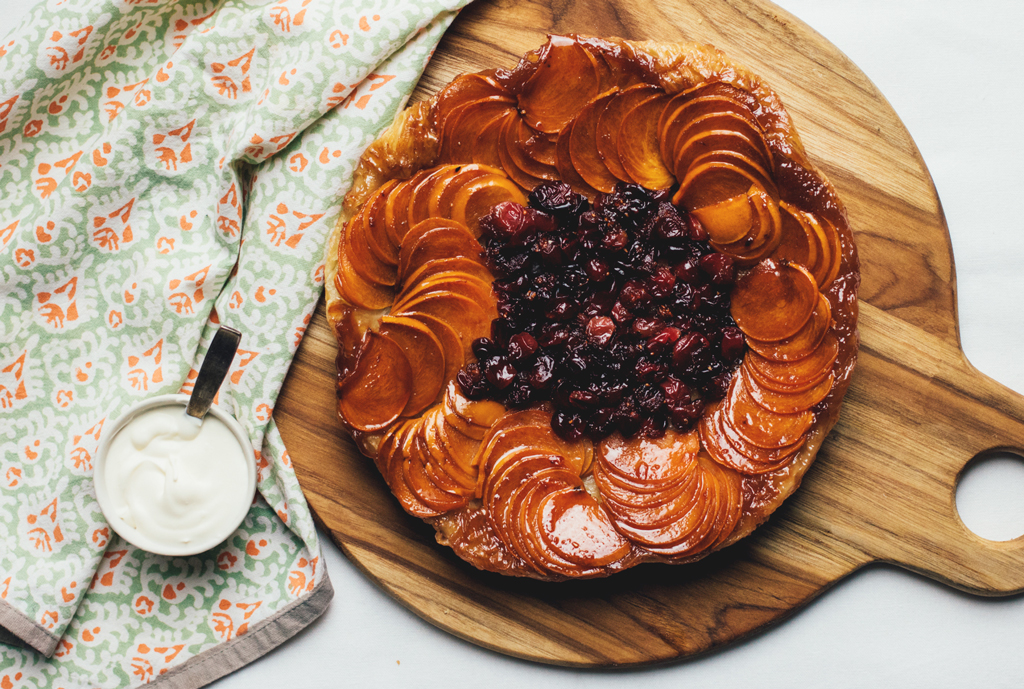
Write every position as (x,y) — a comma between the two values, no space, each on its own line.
(167,168)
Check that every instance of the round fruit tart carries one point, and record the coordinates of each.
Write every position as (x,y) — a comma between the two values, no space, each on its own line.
(592,311)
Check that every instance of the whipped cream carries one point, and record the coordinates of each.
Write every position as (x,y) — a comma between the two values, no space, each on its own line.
(175,483)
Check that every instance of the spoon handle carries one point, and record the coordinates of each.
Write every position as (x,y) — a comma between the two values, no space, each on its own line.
(211,373)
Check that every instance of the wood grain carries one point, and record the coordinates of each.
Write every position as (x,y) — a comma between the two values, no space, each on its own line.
(883,486)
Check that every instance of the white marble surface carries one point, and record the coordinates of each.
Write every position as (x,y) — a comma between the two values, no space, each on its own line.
(952,71)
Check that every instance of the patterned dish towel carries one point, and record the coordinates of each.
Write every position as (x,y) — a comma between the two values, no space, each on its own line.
(164,167)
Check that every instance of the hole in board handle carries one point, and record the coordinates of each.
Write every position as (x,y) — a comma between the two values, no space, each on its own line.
(990,495)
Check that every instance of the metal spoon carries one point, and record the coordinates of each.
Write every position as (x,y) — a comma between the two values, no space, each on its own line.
(211,373)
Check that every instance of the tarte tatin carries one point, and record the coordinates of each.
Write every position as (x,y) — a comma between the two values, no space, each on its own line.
(592,311)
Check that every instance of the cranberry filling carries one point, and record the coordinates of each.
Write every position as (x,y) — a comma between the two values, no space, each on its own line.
(618,314)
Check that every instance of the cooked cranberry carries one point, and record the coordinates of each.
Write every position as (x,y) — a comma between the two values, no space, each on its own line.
(562,310)
(472,381)
(720,268)
(686,414)
(665,338)
(506,219)
(597,269)
(688,272)
(568,426)
(600,422)
(662,282)
(582,399)
(647,327)
(732,343)
(670,226)
(697,231)
(686,349)
(628,421)
(520,394)
(600,329)
(484,348)
(621,314)
(717,386)
(676,391)
(570,246)
(650,372)
(553,335)
(649,398)
(653,427)
(615,240)
(542,371)
(557,198)
(635,295)
(550,251)
(521,346)
(499,372)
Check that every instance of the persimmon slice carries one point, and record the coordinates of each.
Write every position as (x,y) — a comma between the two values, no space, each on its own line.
(475,200)
(610,122)
(575,527)
(519,175)
(798,242)
(467,318)
(802,372)
(639,151)
(774,300)
(425,355)
(379,387)
(482,413)
(732,219)
(436,266)
(422,485)
(396,479)
(466,89)
(374,225)
(566,79)
(695,144)
(583,145)
(433,239)
(449,340)
(460,139)
(396,210)
(357,291)
(441,203)
(657,461)
(804,342)
(783,402)
(362,260)
(759,460)
(563,163)
(717,176)
(515,136)
(757,425)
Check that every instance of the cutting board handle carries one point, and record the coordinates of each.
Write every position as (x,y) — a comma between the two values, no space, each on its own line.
(934,414)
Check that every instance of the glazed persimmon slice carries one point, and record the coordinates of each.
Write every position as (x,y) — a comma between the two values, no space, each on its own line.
(420,483)
(717,176)
(639,151)
(374,225)
(425,355)
(563,163)
(566,79)
(455,281)
(583,145)
(466,89)
(785,402)
(379,387)
(396,210)
(655,462)
(475,200)
(515,137)
(520,176)
(695,144)
(774,300)
(757,425)
(481,413)
(798,242)
(575,527)
(804,342)
(460,139)
(450,343)
(750,458)
(437,266)
(395,477)
(467,318)
(363,261)
(610,122)
(357,291)
(802,372)
(433,239)
(441,203)
(732,219)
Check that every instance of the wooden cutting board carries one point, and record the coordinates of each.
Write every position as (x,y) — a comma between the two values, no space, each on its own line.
(884,483)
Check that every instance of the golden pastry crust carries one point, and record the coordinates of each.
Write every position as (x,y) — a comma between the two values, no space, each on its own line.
(414,143)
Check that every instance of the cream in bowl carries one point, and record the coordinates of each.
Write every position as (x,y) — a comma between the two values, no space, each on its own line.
(172,484)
